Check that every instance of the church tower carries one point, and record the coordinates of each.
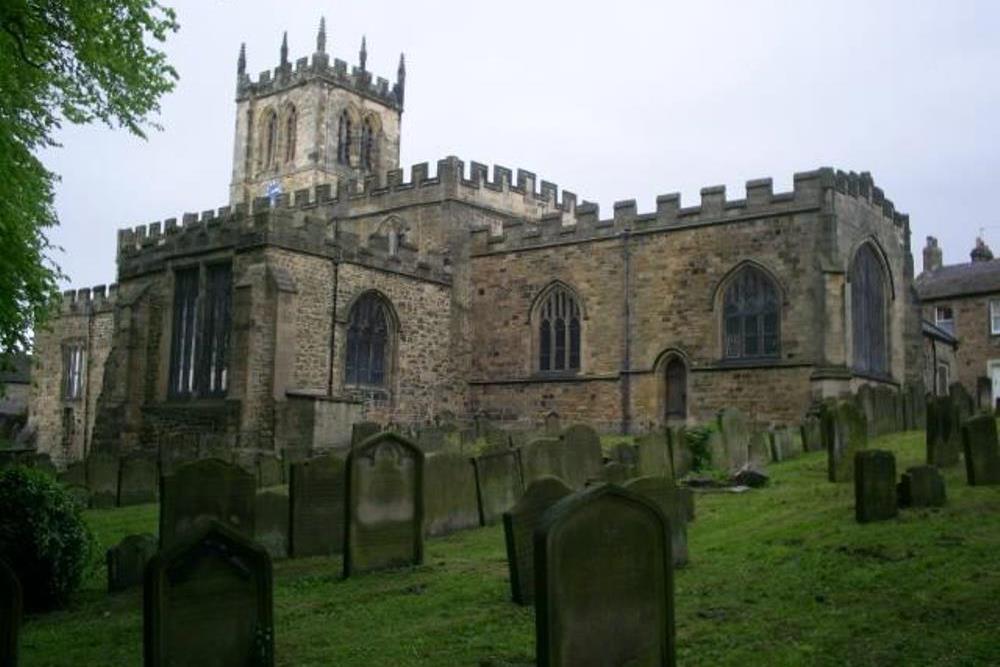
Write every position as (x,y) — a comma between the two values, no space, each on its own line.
(303,126)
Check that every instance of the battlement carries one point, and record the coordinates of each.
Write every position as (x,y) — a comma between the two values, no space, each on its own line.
(809,193)
(97,299)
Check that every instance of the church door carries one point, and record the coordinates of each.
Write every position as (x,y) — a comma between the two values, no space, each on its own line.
(676,377)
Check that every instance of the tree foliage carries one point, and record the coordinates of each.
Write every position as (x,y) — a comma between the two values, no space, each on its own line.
(63,60)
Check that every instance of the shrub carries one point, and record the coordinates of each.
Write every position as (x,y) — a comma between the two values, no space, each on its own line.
(42,537)
(697,441)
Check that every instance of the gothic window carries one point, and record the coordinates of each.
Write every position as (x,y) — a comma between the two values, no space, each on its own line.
(201,322)
(72,371)
(559,332)
(750,315)
(368,342)
(270,139)
(676,378)
(868,312)
(291,128)
(344,139)
(367,145)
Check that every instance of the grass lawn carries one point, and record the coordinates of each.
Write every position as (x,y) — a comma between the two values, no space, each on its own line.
(780,576)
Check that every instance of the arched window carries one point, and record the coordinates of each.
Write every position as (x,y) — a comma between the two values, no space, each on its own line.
(675,373)
(868,306)
(291,128)
(270,139)
(559,332)
(750,315)
(368,342)
(367,145)
(344,139)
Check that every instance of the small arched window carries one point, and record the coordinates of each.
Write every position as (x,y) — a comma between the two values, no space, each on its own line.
(344,139)
(368,342)
(868,317)
(270,139)
(559,332)
(750,314)
(291,128)
(367,145)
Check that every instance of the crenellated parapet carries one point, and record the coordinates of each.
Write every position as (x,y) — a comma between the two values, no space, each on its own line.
(89,300)
(810,193)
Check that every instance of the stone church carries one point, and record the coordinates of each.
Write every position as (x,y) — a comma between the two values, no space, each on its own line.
(337,287)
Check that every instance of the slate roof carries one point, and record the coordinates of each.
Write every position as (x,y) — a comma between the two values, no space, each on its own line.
(934,331)
(960,280)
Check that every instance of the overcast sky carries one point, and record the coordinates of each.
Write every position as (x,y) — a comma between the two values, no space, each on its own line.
(612,100)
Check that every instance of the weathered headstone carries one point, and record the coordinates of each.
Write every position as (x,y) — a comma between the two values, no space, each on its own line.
(785,444)
(982,453)
(552,424)
(849,435)
(519,525)
(450,501)
(498,483)
(208,601)
(318,493)
(204,490)
(735,432)
(269,471)
(664,494)
(361,431)
(874,485)
(385,502)
(102,479)
(921,486)
(943,434)
(625,453)
(865,400)
(617,473)
(176,451)
(75,474)
(654,455)
(293,455)
(759,450)
(138,481)
(583,448)
(886,413)
(11,609)
(431,438)
(270,522)
(812,434)
(965,406)
(681,458)
(686,496)
(544,457)
(603,582)
(127,561)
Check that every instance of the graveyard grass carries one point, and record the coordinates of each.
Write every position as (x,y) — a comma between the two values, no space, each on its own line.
(781,576)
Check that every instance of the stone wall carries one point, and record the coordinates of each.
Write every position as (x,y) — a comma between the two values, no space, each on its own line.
(978,347)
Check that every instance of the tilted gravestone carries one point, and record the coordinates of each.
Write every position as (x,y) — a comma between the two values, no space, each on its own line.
(519,525)
(270,522)
(583,449)
(664,494)
(385,504)
(102,479)
(943,432)
(138,481)
(849,435)
(735,432)
(982,454)
(269,471)
(361,431)
(11,610)
(126,561)
(654,455)
(921,486)
(204,490)
(450,501)
(604,583)
(874,485)
(208,600)
(318,496)
(498,483)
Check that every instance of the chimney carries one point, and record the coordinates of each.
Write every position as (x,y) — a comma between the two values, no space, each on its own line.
(982,252)
(932,255)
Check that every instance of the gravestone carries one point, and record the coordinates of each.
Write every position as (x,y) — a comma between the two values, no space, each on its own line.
(432,438)
(716,447)
(138,481)
(246,460)
(498,484)
(874,485)
(849,436)
(921,486)
(583,449)
(785,444)
(102,479)
(865,400)
(293,455)
(812,434)
(361,431)
(734,430)
(625,453)
(664,494)
(617,473)
(385,514)
(75,474)
(126,561)
(270,522)
(545,457)
(269,471)
(552,424)
(759,450)
(176,451)
(203,490)
(318,496)
(886,413)
(965,407)
(519,525)
(681,458)
(11,610)
(943,432)
(686,496)
(603,582)
(450,501)
(982,453)
(207,600)
(654,455)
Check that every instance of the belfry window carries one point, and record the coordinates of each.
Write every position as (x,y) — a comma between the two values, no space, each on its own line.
(73,371)
(368,354)
(868,312)
(201,322)
(271,139)
(344,139)
(291,128)
(750,314)
(367,145)
(559,332)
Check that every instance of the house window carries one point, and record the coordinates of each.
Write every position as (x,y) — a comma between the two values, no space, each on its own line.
(995,317)
(366,361)
(559,332)
(944,318)
(344,139)
(73,372)
(751,316)
(200,341)
(868,306)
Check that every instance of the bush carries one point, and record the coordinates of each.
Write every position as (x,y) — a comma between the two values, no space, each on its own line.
(42,537)
(697,440)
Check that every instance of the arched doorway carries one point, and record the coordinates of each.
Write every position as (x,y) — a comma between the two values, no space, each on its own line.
(675,377)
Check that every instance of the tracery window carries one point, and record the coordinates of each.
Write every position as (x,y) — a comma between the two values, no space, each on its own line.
(291,123)
(368,342)
(200,339)
(750,315)
(367,145)
(559,332)
(344,139)
(270,139)
(73,371)
(868,312)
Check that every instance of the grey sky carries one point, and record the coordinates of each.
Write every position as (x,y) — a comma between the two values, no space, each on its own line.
(609,100)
